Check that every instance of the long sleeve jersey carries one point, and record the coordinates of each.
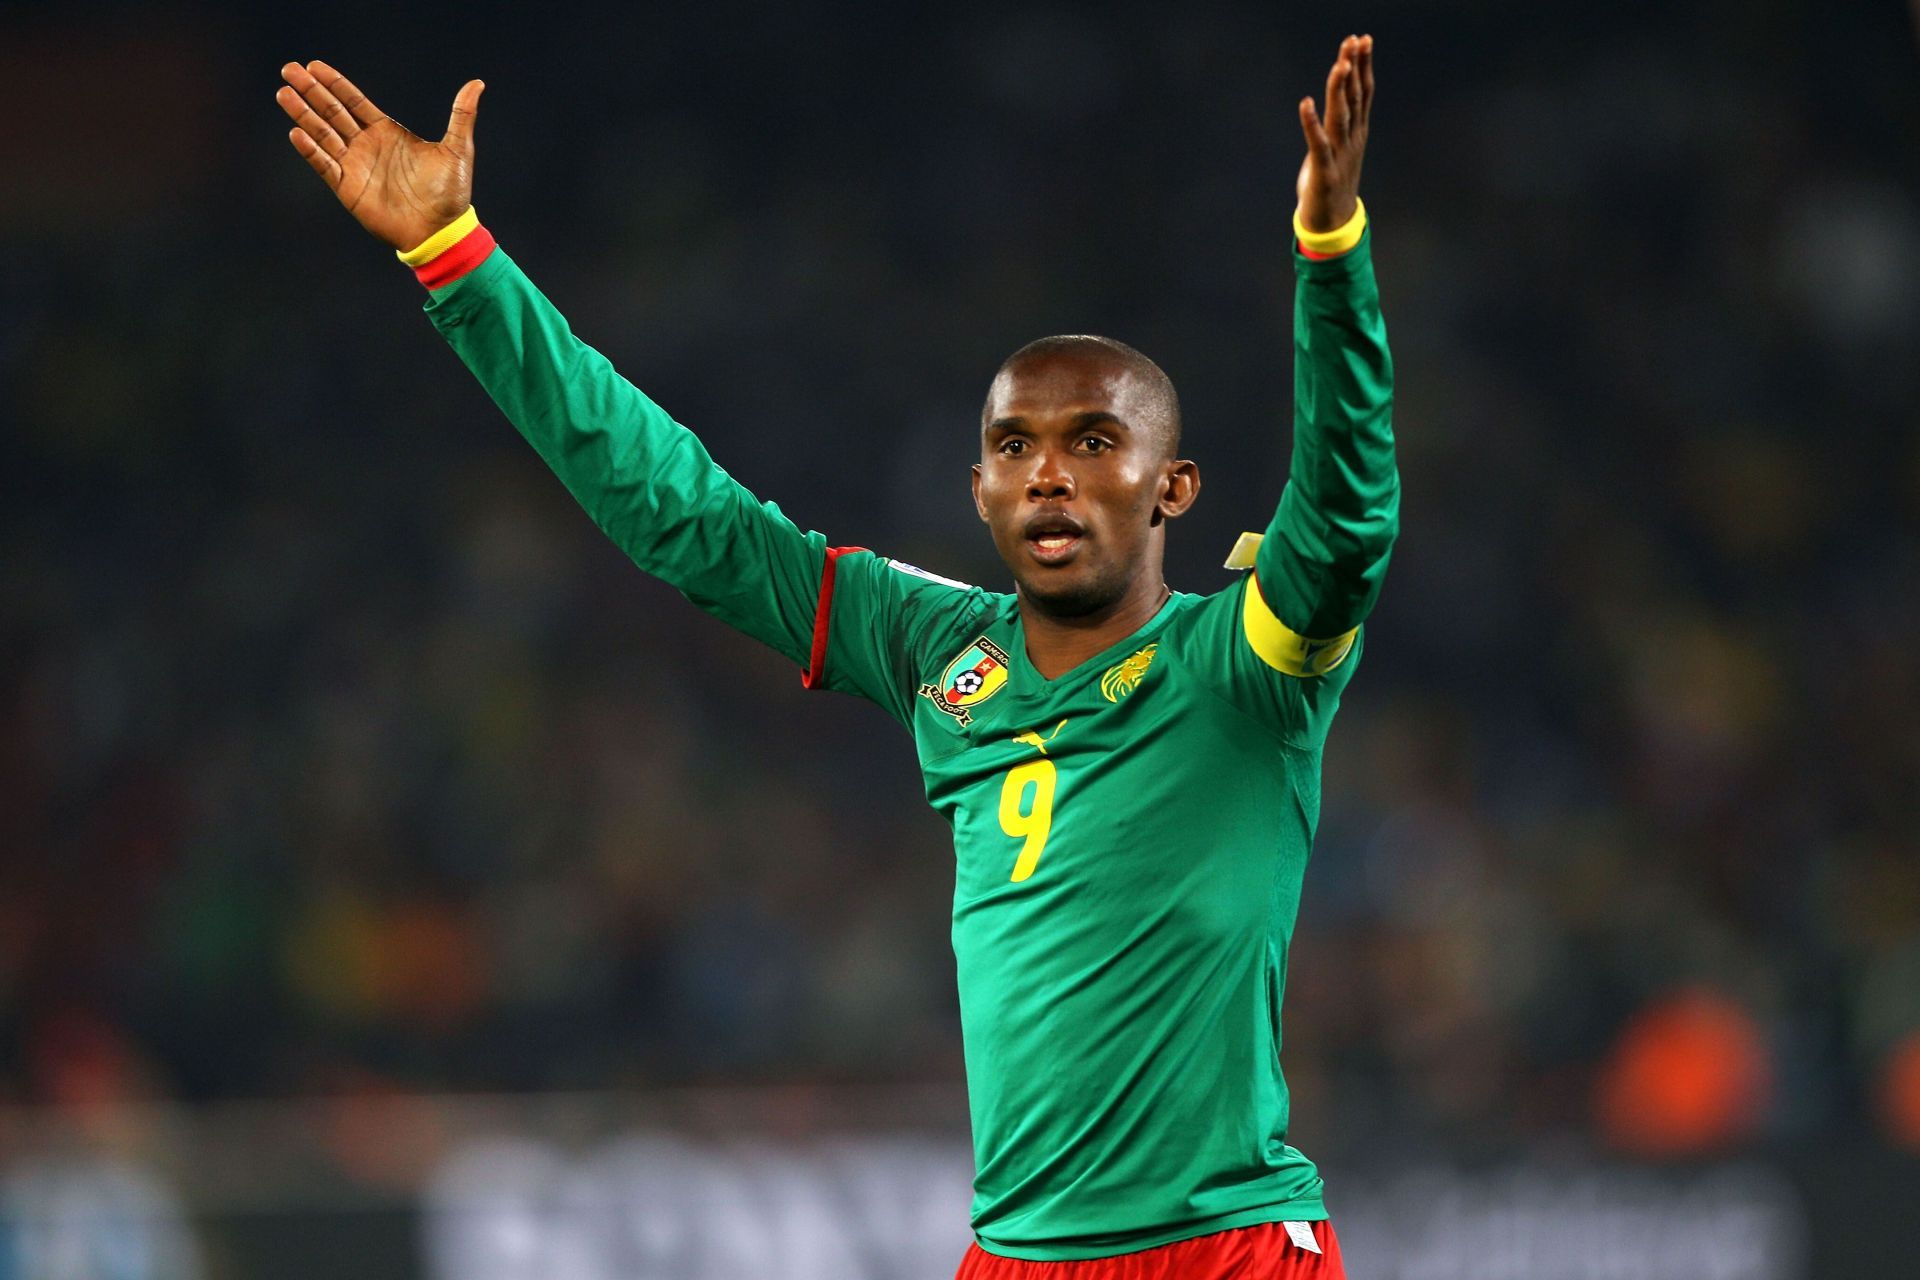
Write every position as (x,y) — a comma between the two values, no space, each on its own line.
(1129,836)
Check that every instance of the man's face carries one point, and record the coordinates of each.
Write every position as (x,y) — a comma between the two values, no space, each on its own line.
(1075,478)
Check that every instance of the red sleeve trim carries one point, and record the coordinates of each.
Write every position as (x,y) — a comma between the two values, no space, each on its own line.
(460,258)
(1321,257)
(822,615)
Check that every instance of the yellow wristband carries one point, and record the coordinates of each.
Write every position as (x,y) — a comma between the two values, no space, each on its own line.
(1339,240)
(440,241)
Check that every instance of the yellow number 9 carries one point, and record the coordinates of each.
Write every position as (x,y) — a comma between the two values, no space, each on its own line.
(1035,822)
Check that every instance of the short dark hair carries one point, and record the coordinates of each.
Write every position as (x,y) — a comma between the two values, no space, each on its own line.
(1159,386)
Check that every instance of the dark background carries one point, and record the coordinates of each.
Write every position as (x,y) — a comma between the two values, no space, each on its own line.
(340,755)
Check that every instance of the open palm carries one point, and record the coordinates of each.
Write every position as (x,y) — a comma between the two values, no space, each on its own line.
(400,187)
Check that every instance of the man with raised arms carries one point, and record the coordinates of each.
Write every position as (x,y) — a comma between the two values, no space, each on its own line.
(1132,774)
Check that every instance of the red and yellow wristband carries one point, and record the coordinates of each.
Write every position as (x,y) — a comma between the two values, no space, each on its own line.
(1320,245)
(450,252)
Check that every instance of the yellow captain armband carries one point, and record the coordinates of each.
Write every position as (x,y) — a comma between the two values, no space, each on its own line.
(440,241)
(1328,244)
(1283,648)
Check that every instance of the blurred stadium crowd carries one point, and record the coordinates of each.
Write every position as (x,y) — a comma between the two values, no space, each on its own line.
(338,752)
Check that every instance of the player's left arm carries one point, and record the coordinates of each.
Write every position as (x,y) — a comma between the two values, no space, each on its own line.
(1319,568)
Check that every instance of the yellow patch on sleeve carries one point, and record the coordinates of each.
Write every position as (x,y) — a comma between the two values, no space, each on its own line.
(1285,649)
(1245,547)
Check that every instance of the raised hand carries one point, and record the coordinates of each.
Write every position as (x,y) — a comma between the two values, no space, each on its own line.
(400,187)
(1330,175)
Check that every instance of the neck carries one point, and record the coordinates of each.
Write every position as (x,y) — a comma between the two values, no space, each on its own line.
(1056,645)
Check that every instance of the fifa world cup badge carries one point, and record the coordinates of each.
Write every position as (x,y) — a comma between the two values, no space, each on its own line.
(969,680)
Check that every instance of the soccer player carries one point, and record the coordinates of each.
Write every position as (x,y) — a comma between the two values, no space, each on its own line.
(1132,774)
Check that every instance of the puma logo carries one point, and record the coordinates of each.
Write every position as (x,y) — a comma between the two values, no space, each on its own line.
(1032,737)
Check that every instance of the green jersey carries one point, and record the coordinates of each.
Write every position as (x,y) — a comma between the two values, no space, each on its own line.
(1129,836)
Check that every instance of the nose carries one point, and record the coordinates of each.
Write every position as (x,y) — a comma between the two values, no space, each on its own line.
(1051,477)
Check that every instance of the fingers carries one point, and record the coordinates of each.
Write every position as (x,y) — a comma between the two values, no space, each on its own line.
(465,103)
(1317,141)
(1350,85)
(358,106)
(324,104)
(1363,63)
(312,127)
(1350,88)
(1337,94)
(320,161)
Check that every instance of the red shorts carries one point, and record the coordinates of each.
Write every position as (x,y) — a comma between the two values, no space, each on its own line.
(1263,1252)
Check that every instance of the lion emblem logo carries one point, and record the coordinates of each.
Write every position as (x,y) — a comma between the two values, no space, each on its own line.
(1123,677)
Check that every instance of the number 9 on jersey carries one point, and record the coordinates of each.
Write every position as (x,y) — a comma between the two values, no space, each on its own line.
(1033,822)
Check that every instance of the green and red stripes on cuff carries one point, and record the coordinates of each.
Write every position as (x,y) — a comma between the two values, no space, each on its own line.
(450,252)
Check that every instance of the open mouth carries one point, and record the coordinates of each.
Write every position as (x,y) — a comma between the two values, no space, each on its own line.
(1053,539)
(1052,548)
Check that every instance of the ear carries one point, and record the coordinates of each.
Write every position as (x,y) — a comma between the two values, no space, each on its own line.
(1179,486)
(978,505)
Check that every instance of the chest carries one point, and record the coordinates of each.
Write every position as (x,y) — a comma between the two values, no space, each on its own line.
(985,713)
(1085,784)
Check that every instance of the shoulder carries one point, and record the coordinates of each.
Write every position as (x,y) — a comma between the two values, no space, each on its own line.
(1210,638)
(1197,616)
(919,575)
(921,600)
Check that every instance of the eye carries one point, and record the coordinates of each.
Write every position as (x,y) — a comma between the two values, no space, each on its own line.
(1095,444)
(1013,446)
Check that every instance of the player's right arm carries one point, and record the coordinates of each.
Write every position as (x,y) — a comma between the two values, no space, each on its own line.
(646,480)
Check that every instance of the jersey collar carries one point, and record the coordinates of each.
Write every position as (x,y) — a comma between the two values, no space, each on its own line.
(1030,685)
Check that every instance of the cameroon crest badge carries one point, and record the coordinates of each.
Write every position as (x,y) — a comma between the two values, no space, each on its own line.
(969,680)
